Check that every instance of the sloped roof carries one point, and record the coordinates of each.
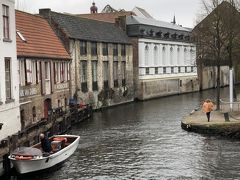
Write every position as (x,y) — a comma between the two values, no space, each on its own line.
(143,12)
(106,17)
(90,30)
(41,41)
(152,22)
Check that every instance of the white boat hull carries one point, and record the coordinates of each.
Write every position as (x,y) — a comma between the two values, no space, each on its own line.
(28,166)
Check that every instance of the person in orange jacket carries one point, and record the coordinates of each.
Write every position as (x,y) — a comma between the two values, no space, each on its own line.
(207,108)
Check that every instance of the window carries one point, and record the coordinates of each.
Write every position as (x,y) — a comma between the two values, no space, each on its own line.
(164,70)
(105,74)
(171,56)
(115,50)
(155,55)
(185,56)
(83,72)
(28,65)
(8,78)
(146,55)
(34,113)
(147,71)
(192,69)
(62,72)
(179,69)
(94,76)
(115,73)
(22,72)
(47,71)
(104,49)
(123,73)
(164,56)
(6,31)
(83,47)
(57,72)
(172,70)
(156,70)
(123,50)
(93,48)
(186,69)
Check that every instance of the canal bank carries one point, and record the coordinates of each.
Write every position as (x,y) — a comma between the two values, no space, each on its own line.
(58,122)
(221,124)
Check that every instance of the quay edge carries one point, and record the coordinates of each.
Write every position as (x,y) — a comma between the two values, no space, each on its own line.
(218,126)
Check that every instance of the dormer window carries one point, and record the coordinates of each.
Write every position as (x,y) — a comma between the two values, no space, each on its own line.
(151,32)
(159,34)
(166,35)
(142,31)
(180,36)
(187,38)
(174,36)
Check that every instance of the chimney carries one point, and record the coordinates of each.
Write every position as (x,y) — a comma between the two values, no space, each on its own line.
(120,22)
(46,13)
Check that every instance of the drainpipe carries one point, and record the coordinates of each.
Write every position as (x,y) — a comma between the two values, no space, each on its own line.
(231,88)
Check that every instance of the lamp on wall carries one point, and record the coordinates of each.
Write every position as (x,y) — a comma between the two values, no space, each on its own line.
(1,124)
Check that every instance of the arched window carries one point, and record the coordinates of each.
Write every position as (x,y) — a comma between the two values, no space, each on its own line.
(171,56)
(185,57)
(178,56)
(146,55)
(192,57)
(156,56)
(164,55)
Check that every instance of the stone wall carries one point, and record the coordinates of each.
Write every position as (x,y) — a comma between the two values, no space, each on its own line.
(160,87)
(102,97)
(209,77)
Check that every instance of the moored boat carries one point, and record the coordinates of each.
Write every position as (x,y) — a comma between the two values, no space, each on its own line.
(32,159)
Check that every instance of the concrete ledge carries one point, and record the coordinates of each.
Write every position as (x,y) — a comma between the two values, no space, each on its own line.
(197,122)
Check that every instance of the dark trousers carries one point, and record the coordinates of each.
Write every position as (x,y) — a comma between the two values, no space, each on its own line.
(208,116)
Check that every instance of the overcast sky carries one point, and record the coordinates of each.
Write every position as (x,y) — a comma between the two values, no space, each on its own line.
(186,11)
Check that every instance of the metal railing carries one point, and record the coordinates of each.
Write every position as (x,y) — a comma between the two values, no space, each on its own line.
(225,106)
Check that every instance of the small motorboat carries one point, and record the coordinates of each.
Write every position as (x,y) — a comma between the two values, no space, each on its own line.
(32,159)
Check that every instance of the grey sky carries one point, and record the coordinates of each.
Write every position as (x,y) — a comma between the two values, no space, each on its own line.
(185,10)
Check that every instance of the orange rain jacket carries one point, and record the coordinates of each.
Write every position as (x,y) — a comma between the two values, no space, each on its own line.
(207,107)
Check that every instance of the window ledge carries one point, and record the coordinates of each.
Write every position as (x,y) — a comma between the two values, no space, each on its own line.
(9,101)
(7,40)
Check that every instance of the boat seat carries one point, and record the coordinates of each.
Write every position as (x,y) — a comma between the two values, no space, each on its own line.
(56,145)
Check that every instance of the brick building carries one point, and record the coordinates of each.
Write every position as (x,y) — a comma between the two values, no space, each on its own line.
(101,69)
(43,67)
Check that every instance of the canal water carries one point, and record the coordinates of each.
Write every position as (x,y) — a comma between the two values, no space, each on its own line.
(144,140)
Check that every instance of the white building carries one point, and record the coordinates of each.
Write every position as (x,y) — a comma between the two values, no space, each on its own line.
(164,59)
(9,79)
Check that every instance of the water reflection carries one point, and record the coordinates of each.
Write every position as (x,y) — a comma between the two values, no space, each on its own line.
(145,141)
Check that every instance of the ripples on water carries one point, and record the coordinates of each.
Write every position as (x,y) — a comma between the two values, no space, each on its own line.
(145,141)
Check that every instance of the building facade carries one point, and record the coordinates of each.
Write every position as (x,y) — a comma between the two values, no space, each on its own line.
(44,69)
(101,68)
(9,79)
(227,17)
(164,58)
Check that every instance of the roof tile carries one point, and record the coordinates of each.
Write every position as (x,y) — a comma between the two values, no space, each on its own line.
(41,41)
